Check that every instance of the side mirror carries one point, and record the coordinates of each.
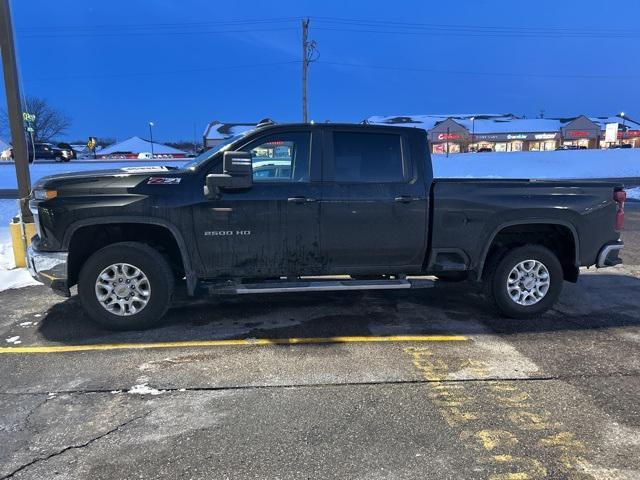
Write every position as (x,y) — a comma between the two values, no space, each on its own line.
(237,175)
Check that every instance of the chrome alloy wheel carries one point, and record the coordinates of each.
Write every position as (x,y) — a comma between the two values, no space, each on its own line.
(528,282)
(123,289)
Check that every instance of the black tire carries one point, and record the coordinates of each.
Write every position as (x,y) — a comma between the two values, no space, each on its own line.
(498,274)
(58,159)
(149,261)
(452,277)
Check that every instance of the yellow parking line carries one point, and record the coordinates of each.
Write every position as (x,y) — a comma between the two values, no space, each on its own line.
(225,343)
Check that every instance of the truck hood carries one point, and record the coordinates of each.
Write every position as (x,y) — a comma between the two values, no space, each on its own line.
(124,177)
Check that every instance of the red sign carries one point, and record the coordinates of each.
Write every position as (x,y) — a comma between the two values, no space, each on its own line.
(578,133)
(631,134)
(449,136)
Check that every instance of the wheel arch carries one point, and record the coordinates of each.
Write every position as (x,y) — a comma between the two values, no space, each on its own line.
(190,276)
(569,227)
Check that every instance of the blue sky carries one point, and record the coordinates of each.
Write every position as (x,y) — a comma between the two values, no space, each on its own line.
(113,66)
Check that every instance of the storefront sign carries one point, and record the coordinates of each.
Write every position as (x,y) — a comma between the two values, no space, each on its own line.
(611,132)
(578,133)
(504,137)
(449,136)
(545,136)
(632,134)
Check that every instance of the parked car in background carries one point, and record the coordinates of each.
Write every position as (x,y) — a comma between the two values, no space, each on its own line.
(49,151)
(68,148)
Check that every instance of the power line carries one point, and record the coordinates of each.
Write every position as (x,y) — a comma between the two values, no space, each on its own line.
(478,34)
(509,29)
(139,26)
(162,72)
(462,72)
(152,33)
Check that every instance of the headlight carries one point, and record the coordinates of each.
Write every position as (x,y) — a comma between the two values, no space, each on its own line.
(41,194)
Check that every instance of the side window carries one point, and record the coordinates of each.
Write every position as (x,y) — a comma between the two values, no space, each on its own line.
(281,157)
(368,157)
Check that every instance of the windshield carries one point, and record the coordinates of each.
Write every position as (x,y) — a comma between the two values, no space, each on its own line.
(207,154)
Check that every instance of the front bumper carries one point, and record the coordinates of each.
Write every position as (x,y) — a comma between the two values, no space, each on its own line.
(50,268)
(608,256)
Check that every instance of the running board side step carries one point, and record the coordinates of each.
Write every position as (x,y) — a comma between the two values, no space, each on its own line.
(315,286)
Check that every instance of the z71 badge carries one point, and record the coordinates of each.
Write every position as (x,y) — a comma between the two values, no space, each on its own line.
(163,180)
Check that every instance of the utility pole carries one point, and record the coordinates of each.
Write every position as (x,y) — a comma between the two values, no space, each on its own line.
(309,55)
(14,104)
(305,66)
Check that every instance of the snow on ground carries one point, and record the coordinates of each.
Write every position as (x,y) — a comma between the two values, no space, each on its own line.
(555,164)
(633,193)
(10,277)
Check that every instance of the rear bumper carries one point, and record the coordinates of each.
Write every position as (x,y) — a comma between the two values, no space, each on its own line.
(50,268)
(609,255)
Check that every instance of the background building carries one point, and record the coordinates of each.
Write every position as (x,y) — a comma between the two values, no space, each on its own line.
(509,133)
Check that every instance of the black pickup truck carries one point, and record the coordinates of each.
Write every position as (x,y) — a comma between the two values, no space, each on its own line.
(313,207)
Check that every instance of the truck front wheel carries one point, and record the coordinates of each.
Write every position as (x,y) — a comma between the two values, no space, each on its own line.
(126,286)
(525,282)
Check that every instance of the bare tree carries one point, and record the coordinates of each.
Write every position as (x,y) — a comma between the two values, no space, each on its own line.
(49,121)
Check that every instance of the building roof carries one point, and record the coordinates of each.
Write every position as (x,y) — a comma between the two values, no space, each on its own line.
(519,125)
(602,121)
(486,123)
(139,145)
(220,131)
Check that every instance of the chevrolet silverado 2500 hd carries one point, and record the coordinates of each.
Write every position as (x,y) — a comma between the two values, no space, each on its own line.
(286,207)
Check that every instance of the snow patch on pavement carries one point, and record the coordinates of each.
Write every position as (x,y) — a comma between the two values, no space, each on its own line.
(144,389)
(14,340)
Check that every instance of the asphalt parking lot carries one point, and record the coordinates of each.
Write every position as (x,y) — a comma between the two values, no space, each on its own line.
(411,384)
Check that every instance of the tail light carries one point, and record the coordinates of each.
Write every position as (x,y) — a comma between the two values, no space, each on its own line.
(620,196)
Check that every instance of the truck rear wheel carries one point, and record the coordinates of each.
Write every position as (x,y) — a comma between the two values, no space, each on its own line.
(525,282)
(126,286)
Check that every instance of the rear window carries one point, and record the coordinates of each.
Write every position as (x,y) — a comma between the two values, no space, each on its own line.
(368,157)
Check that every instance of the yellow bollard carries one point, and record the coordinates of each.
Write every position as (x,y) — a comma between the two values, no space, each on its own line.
(21,235)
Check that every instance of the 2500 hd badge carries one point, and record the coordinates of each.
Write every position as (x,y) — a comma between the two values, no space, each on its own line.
(226,233)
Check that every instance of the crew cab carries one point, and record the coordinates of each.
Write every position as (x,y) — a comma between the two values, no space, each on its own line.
(313,207)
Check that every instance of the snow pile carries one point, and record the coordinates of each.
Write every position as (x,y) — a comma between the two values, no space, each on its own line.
(543,165)
(633,193)
(10,277)
(14,340)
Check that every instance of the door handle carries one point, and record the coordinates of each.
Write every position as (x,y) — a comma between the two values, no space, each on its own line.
(300,200)
(403,199)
